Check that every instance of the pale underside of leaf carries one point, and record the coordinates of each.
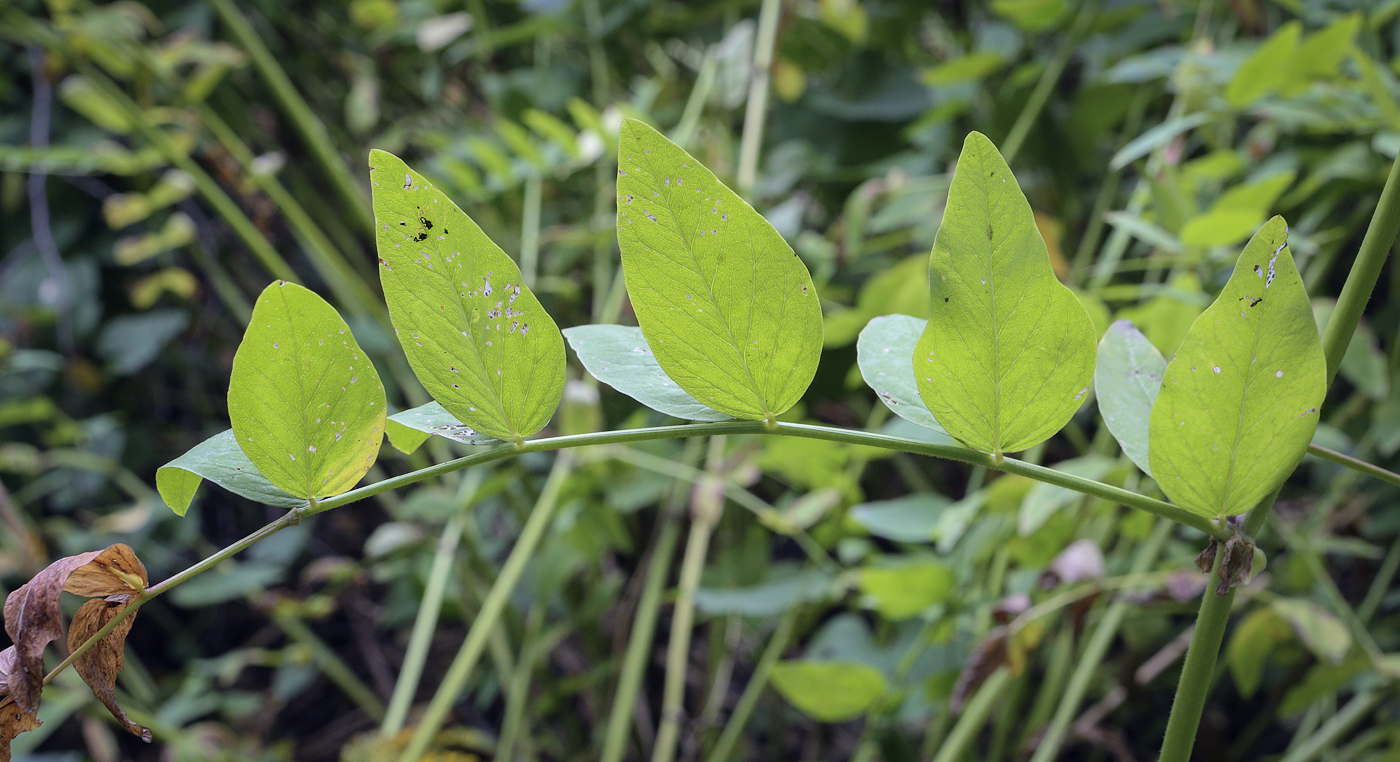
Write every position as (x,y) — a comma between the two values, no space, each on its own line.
(476,337)
(727,307)
(1239,401)
(620,357)
(1008,353)
(885,354)
(220,460)
(1126,381)
(432,419)
(306,404)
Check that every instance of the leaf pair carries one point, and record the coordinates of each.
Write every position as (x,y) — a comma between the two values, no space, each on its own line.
(1006,355)
(1230,417)
(113,578)
(730,323)
(307,407)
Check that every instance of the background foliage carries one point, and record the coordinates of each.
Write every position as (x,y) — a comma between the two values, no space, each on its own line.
(163,161)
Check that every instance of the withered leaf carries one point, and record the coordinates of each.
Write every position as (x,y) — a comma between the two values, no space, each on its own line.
(1081,561)
(990,654)
(101,664)
(13,720)
(33,618)
(115,571)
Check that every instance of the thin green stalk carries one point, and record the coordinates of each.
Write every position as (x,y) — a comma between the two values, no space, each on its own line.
(734,728)
(1048,79)
(518,692)
(231,214)
(304,120)
(639,642)
(1108,191)
(425,624)
(331,665)
(756,112)
(530,230)
(1096,649)
(974,716)
(704,518)
(603,180)
(1355,464)
(1365,271)
(1381,585)
(1356,710)
(455,681)
(1199,669)
(695,105)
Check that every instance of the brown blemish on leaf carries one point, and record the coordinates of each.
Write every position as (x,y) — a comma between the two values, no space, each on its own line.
(102,663)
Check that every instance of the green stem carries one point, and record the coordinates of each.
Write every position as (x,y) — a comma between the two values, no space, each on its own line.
(639,642)
(530,230)
(695,105)
(757,109)
(425,624)
(974,716)
(748,700)
(518,692)
(1355,464)
(1365,271)
(1199,669)
(1381,585)
(1360,705)
(697,547)
(1096,649)
(455,681)
(312,130)
(1048,79)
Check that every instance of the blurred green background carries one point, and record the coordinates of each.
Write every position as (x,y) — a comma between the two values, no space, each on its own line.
(162,161)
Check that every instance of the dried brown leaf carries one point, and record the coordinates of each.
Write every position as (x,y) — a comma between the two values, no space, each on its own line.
(990,653)
(13,721)
(33,618)
(115,571)
(102,663)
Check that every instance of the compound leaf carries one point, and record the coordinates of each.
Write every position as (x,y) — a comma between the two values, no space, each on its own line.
(1239,401)
(220,460)
(476,337)
(620,357)
(885,354)
(726,306)
(1008,353)
(1126,381)
(306,404)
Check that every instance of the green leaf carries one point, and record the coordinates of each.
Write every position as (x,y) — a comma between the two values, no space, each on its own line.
(476,337)
(1222,227)
(1126,382)
(912,518)
(1239,401)
(1267,69)
(1166,317)
(784,587)
(305,402)
(829,691)
(1364,364)
(1008,353)
(1155,138)
(973,67)
(906,589)
(220,460)
(727,307)
(1324,634)
(1250,645)
(408,430)
(619,356)
(885,354)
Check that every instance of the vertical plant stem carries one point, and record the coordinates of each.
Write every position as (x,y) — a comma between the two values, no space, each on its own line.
(678,650)
(974,716)
(312,130)
(695,105)
(39,228)
(518,692)
(530,229)
(603,197)
(734,728)
(426,622)
(639,643)
(1097,648)
(756,112)
(1048,79)
(1381,585)
(1199,669)
(455,681)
